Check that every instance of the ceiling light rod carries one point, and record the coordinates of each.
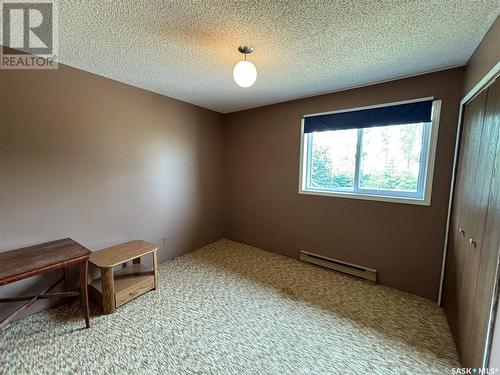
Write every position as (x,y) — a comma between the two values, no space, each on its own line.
(245,50)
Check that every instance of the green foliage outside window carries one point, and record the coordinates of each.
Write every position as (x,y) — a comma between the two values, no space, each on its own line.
(322,177)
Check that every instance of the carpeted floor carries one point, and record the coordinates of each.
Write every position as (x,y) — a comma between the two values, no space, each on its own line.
(229,308)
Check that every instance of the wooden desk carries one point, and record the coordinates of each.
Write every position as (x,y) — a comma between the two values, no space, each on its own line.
(35,260)
(114,289)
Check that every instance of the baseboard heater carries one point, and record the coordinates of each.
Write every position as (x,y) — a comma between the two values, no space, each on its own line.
(339,266)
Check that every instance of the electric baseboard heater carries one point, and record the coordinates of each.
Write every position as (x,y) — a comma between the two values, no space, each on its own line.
(339,266)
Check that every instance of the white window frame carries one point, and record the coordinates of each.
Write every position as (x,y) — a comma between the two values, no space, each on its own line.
(426,181)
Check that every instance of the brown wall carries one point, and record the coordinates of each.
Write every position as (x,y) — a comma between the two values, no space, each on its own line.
(485,57)
(102,162)
(403,242)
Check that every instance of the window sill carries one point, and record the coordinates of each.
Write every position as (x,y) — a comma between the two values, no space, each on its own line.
(380,198)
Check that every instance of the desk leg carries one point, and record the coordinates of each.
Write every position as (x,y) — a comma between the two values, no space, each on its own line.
(84,291)
(155,268)
(108,290)
(66,279)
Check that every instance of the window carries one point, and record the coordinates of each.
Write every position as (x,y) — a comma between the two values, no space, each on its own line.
(380,153)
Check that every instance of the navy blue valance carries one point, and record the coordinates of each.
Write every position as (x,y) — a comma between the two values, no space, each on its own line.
(409,113)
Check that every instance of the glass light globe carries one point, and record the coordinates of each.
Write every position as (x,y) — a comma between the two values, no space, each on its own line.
(244,73)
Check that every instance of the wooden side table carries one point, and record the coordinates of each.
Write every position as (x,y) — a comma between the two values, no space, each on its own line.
(35,260)
(114,289)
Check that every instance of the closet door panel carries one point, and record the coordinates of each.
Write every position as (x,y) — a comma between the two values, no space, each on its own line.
(477,211)
(459,255)
(489,233)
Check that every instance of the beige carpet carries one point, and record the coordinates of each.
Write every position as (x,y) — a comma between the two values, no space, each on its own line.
(229,308)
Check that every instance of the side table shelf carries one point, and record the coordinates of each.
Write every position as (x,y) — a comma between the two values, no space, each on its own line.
(114,289)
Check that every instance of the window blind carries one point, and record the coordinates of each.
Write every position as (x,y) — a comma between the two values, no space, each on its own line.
(399,114)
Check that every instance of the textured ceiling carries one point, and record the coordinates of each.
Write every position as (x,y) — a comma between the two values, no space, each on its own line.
(186,49)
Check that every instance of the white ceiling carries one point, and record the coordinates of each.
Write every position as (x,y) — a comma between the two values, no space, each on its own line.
(186,49)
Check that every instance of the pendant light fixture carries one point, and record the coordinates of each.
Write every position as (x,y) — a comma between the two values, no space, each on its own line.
(244,72)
